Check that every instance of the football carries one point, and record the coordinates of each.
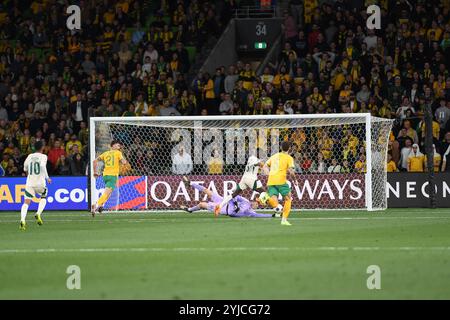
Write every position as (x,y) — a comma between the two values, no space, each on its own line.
(263,198)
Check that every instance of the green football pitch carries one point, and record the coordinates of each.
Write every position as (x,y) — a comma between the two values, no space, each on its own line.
(323,255)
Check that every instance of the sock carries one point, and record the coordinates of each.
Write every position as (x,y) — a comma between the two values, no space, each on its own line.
(286,209)
(272,202)
(102,199)
(41,206)
(23,212)
(194,208)
(198,187)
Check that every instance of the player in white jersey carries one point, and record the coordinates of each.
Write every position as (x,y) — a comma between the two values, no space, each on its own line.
(249,180)
(36,168)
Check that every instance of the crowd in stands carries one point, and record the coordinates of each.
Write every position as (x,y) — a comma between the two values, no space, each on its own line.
(331,63)
(129,58)
(123,64)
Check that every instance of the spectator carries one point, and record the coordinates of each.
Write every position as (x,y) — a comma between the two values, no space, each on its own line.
(169,109)
(11,168)
(345,168)
(226,106)
(321,166)
(209,95)
(406,105)
(437,159)
(141,106)
(434,128)
(130,112)
(151,53)
(74,150)
(442,113)
(335,167)
(77,165)
(182,162)
(415,160)
(87,65)
(219,82)
(410,132)
(360,165)
(62,166)
(79,112)
(42,106)
(391,166)
(73,141)
(215,163)
(62,130)
(55,153)
(363,95)
(138,33)
(397,73)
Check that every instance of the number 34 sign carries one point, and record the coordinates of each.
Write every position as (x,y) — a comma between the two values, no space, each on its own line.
(261,29)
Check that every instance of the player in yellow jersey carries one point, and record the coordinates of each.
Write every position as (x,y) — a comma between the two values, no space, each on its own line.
(280,165)
(112,160)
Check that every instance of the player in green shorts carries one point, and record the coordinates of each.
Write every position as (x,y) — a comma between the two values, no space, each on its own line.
(280,165)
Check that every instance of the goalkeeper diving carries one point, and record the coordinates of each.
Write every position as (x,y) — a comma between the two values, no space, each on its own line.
(250,181)
(113,160)
(238,208)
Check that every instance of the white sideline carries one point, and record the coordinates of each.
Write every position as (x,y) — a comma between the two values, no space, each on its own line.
(223,249)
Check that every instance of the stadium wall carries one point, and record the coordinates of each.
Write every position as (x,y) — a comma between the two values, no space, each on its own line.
(405,190)
(224,52)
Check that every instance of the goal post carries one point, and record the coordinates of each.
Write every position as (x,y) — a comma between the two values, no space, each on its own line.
(340,159)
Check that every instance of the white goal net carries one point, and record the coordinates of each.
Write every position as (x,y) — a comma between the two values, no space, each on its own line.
(340,159)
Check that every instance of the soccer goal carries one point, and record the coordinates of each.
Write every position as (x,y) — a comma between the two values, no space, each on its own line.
(340,158)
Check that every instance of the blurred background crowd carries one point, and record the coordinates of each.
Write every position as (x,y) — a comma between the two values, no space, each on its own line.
(138,58)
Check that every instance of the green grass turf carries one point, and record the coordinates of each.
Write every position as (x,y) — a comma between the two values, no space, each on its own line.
(181,256)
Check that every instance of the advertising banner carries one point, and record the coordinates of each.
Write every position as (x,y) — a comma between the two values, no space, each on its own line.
(411,190)
(313,191)
(65,193)
(130,193)
(404,190)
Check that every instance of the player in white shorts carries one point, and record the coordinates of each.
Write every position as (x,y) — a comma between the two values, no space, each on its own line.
(36,168)
(249,180)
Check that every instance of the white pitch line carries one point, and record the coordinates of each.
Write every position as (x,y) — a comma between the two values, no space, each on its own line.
(223,249)
(309,214)
(87,218)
